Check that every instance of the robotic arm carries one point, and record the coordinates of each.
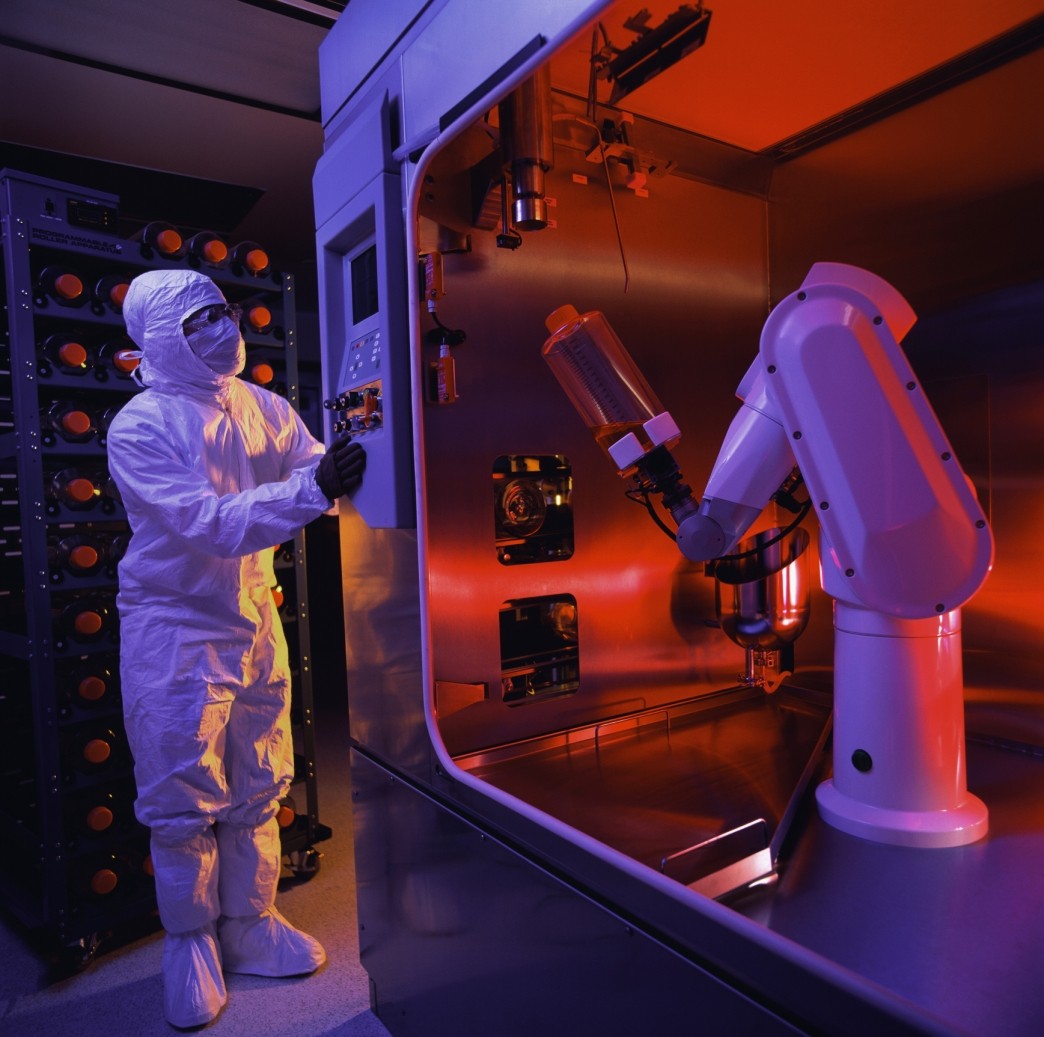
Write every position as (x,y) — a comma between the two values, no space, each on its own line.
(901,529)
(903,543)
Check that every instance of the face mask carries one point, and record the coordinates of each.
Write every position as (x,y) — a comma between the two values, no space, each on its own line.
(220,346)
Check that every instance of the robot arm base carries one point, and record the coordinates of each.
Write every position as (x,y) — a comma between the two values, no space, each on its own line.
(899,747)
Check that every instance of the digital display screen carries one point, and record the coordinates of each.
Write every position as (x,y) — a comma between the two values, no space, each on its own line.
(92,215)
(364,284)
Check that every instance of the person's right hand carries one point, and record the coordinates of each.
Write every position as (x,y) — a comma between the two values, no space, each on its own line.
(340,468)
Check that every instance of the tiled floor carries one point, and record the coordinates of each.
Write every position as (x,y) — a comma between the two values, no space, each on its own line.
(122,990)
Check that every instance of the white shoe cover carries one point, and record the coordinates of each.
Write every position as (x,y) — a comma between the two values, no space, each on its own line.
(268,945)
(193,987)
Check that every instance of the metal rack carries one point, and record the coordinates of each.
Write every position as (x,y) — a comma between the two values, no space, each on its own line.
(77,862)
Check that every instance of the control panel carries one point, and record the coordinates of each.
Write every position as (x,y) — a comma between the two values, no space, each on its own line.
(359,407)
(366,347)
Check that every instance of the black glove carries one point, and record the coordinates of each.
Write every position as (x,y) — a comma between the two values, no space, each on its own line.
(340,468)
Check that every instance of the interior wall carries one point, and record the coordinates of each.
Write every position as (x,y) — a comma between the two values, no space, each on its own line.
(895,198)
(690,313)
(942,198)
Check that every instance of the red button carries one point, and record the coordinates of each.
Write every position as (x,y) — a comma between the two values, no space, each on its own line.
(80,490)
(76,423)
(262,373)
(256,259)
(91,689)
(87,623)
(215,251)
(168,241)
(72,354)
(83,557)
(123,362)
(68,286)
(104,881)
(99,819)
(97,751)
(259,316)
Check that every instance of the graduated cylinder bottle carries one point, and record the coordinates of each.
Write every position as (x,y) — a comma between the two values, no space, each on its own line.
(257,317)
(84,621)
(117,355)
(262,374)
(599,376)
(92,684)
(95,877)
(109,293)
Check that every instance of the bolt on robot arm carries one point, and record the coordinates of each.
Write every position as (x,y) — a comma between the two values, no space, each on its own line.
(903,543)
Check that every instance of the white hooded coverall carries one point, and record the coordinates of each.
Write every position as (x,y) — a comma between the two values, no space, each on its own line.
(214,472)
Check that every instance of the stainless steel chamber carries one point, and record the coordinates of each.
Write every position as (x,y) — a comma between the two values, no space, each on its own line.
(576,797)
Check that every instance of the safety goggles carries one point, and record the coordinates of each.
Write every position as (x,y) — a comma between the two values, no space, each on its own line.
(211,315)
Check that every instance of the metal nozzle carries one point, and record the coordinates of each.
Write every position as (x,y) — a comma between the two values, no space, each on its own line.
(762,591)
(528,145)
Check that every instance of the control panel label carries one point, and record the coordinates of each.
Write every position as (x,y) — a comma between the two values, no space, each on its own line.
(67,240)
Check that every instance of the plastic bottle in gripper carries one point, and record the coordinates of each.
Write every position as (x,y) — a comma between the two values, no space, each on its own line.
(599,376)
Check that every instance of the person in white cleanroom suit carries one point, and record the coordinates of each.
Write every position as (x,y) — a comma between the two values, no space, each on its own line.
(213,472)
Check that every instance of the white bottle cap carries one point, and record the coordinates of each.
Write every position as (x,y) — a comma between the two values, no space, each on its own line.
(626,450)
(661,428)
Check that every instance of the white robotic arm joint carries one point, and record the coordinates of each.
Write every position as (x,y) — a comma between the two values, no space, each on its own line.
(902,530)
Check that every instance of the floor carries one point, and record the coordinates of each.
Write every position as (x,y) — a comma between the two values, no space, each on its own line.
(122,990)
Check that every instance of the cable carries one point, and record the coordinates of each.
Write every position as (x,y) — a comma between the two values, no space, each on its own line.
(600,144)
(805,509)
(642,497)
(444,335)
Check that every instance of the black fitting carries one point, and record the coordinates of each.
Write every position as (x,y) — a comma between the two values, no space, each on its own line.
(658,472)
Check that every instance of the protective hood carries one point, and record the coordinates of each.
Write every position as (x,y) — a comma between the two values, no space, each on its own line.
(153,309)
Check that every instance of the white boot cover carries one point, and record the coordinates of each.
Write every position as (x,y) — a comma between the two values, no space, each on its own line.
(193,987)
(268,945)
(187,896)
(255,937)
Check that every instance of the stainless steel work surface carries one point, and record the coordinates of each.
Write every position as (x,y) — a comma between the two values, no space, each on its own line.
(959,931)
(662,782)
